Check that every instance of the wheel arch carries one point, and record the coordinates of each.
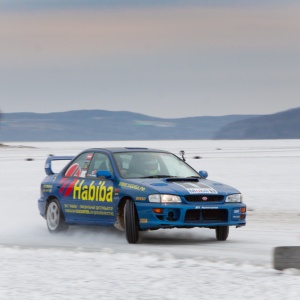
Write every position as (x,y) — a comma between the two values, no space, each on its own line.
(49,199)
(120,212)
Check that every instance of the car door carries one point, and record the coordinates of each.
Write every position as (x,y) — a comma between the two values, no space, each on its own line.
(100,193)
(86,198)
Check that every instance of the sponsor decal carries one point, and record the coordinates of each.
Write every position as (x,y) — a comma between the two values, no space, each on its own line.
(197,188)
(206,207)
(73,170)
(95,191)
(66,186)
(95,210)
(132,186)
(89,156)
(92,192)
(210,207)
(47,188)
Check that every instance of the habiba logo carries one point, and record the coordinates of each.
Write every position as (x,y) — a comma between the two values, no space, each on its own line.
(86,192)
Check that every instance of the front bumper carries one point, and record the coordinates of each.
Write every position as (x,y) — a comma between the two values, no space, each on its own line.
(155,216)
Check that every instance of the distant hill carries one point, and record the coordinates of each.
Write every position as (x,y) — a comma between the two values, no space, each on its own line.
(92,125)
(283,125)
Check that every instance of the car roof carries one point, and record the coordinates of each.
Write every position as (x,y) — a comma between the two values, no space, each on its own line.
(125,149)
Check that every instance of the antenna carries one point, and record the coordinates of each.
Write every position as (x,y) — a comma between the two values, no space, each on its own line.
(182,153)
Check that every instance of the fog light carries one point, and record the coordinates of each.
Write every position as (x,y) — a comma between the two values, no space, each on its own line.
(243,209)
(242,217)
(171,216)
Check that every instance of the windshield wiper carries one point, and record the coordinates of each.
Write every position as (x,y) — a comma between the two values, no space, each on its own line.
(158,176)
(190,178)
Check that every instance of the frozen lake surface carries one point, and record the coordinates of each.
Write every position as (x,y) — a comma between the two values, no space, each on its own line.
(97,263)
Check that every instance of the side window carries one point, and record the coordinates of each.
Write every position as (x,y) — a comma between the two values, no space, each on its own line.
(100,161)
(79,166)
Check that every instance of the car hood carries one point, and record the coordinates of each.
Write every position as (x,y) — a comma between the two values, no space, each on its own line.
(183,186)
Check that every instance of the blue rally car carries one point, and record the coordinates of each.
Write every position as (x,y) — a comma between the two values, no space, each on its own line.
(136,189)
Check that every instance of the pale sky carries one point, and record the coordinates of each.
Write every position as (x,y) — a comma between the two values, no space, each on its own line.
(180,59)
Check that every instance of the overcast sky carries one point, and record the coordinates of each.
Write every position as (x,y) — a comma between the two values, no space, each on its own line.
(179,59)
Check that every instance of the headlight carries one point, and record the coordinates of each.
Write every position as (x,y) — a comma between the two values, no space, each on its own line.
(164,198)
(234,198)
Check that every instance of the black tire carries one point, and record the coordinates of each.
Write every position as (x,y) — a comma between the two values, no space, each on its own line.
(222,233)
(55,219)
(131,222)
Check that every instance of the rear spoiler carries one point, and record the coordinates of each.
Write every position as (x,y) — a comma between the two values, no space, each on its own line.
(48,163)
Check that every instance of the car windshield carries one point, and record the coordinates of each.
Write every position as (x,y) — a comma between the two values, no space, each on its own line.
(152,165)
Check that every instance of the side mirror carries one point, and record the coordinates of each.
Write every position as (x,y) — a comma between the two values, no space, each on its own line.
(203,174)
(106,174)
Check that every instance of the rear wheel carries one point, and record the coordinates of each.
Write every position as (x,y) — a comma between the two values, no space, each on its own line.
(54,217)
(222,233)
(131,222)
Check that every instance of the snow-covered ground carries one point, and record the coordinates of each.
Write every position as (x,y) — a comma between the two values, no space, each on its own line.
(97,263)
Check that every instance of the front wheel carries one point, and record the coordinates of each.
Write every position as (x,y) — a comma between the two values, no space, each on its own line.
(131,222)
(222,233)
(54,217)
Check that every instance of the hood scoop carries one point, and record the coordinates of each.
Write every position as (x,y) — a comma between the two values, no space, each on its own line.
(159,184)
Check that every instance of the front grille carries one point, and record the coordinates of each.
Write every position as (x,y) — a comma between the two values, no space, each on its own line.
(206,215)
(204,198)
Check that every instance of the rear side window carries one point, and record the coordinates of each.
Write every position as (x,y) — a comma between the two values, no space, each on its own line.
(80,165)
